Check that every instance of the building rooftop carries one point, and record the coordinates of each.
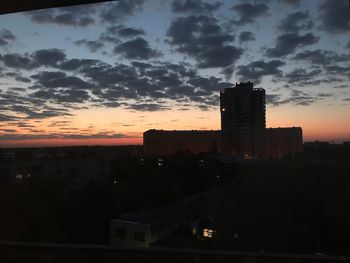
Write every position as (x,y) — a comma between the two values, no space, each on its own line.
(157,217)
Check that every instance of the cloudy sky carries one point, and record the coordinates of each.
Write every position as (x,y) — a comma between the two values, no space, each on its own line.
(105,73)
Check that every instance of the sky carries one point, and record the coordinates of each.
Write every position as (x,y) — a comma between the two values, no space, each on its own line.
(102,74)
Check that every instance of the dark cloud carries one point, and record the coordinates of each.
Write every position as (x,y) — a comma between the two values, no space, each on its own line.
(68,16)
(296,97)
(225,56)
(337,70)
(290,2)
(123,31)
(71,20)
(77,64)
(15,60)
(258,69)
(321,57)
(147,107)
(300,98)
(287,44)
(8,130)
(83,10)
(58,79)
(111,104)
(43,57)
(249,12)
(78,83)
(295,22)
(6,36)
(184,70)
(18,76)
(208,84)
(324,95)
(107,37)
(301,76)
(22,124)
(26,110)
(10,98)
(17,89)
(114,94)
(119,10)
(273,99)
(23,79)
(62,95)
(246,36)
(92,45)
(194,6)
(6,117)
(343,86)
(59,123)
(12,74)
(347,45)
(202,38)
(3,42)
(41,16)
(105,75)
(160,80)
(137,48)
(181,91)
(48,57)
(114,33)
(335,16)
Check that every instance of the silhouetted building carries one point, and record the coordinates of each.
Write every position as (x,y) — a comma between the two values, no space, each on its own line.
(161,142)
(243,131)
(243,120)
(144,227)
(283,141)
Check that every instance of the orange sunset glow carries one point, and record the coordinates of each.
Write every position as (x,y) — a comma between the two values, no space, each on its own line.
(99,78)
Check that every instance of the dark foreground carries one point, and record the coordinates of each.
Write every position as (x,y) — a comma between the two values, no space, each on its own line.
(43,252)
(298,205)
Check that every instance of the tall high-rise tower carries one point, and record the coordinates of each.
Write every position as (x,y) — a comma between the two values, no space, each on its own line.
(243,120)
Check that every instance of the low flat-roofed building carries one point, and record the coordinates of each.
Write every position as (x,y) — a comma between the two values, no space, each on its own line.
(283,141)
(146,226)
(162,142)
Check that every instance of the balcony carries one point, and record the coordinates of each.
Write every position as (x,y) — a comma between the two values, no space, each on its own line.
(45,252)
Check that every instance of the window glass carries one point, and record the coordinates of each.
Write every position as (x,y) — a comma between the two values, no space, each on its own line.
(140,236)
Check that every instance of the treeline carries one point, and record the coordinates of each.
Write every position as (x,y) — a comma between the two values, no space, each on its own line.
(290,206)
(53,208)
(296,205)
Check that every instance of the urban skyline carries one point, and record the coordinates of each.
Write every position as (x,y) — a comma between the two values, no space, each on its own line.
(105,73)
(243,132)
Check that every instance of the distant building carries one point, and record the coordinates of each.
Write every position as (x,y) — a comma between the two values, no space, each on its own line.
(161,142)
(74,169)
(283,141)
(243,120)
(243,131)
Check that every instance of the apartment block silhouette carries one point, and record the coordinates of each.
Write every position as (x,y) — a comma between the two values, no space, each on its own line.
(243,131)
(243,120)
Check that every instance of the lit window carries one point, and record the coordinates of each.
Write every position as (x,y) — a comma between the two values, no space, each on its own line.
(223,109)
(194,231)
(208,233)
